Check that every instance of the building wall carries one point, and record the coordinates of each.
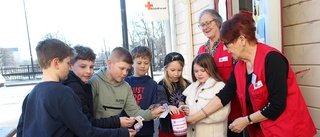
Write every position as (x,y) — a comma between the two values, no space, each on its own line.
(301,42)
(301,45)
(182,33)
(188,36)
(196,7)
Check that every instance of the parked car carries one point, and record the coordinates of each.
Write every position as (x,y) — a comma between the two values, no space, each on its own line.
(2,81)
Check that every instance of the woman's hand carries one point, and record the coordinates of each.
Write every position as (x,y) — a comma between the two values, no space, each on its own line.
(239,124)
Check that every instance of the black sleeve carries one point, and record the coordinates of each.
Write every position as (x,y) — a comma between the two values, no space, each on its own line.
(110,122)
(276,66)
(82,94)
(21,119)
(228,92)
(85,97)
(154,94)
(161,95)
(69,111)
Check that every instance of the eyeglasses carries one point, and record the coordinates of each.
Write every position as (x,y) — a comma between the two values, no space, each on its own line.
(226,43)
(206,24)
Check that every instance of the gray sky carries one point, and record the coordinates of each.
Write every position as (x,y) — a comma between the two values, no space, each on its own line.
(85,22)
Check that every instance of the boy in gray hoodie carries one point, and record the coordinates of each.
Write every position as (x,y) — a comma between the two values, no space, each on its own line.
(111,94)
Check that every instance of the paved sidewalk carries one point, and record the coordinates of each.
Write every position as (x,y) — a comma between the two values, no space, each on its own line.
(21,83)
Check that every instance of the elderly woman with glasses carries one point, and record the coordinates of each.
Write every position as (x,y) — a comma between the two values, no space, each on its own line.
(262,79)
(210,22)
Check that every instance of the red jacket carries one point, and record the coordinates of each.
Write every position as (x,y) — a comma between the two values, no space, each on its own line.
(295,121)
(223,60)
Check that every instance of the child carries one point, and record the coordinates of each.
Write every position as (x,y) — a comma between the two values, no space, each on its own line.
(206,83)
(222,57)
(144,88)
(174,84)
(52,109)
(82,64)
(111,94)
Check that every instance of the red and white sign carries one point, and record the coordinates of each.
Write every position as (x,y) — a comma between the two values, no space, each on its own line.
(156,10)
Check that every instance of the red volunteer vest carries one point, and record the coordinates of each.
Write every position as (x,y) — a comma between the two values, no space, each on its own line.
(223,60)
(295,121)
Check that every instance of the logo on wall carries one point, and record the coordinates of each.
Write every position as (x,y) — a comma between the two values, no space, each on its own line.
(149,5)
(156,10)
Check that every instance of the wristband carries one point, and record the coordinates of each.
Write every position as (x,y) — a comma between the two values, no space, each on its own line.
(249,119)
(204,112)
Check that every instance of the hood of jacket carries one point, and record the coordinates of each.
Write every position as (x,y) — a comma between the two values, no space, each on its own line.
(72,78)
(101,74)
(209,83)
(137,80)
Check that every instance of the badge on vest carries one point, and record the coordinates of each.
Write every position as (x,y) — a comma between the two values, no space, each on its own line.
(258,85)
(223,59)
(255,84)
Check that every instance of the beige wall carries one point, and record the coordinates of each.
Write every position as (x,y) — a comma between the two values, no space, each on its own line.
(196,7)
(188,36)
(301,29)
(182,33)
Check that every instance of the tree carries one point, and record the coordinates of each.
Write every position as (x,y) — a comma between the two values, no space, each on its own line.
(56,36)
(6,57)
(148,33)
(104,54)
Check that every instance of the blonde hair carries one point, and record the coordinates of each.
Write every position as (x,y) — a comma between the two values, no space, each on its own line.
(168,82)
(120,54)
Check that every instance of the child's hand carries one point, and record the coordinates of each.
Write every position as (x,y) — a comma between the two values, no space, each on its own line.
(126,122)
(190,120)
(174,110)
(180,104)
(185,110)
(153,106)
(132,132)
(156,112)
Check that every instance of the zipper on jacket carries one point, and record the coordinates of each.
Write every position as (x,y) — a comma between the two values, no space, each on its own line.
(105,107)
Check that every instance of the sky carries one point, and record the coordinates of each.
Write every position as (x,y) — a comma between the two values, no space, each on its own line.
(86,22)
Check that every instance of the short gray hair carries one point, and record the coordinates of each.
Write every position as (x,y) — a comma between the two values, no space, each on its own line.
(215,15)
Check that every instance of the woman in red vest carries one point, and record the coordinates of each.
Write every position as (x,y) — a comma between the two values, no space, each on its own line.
(262,79)
(210,22)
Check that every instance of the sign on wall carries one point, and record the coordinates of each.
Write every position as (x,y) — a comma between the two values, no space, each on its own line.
(156,10)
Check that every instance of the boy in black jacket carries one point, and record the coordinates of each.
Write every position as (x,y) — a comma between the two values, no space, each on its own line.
(82,64)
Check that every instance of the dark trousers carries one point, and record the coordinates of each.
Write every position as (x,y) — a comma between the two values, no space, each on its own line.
(144,136)
(163,134)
